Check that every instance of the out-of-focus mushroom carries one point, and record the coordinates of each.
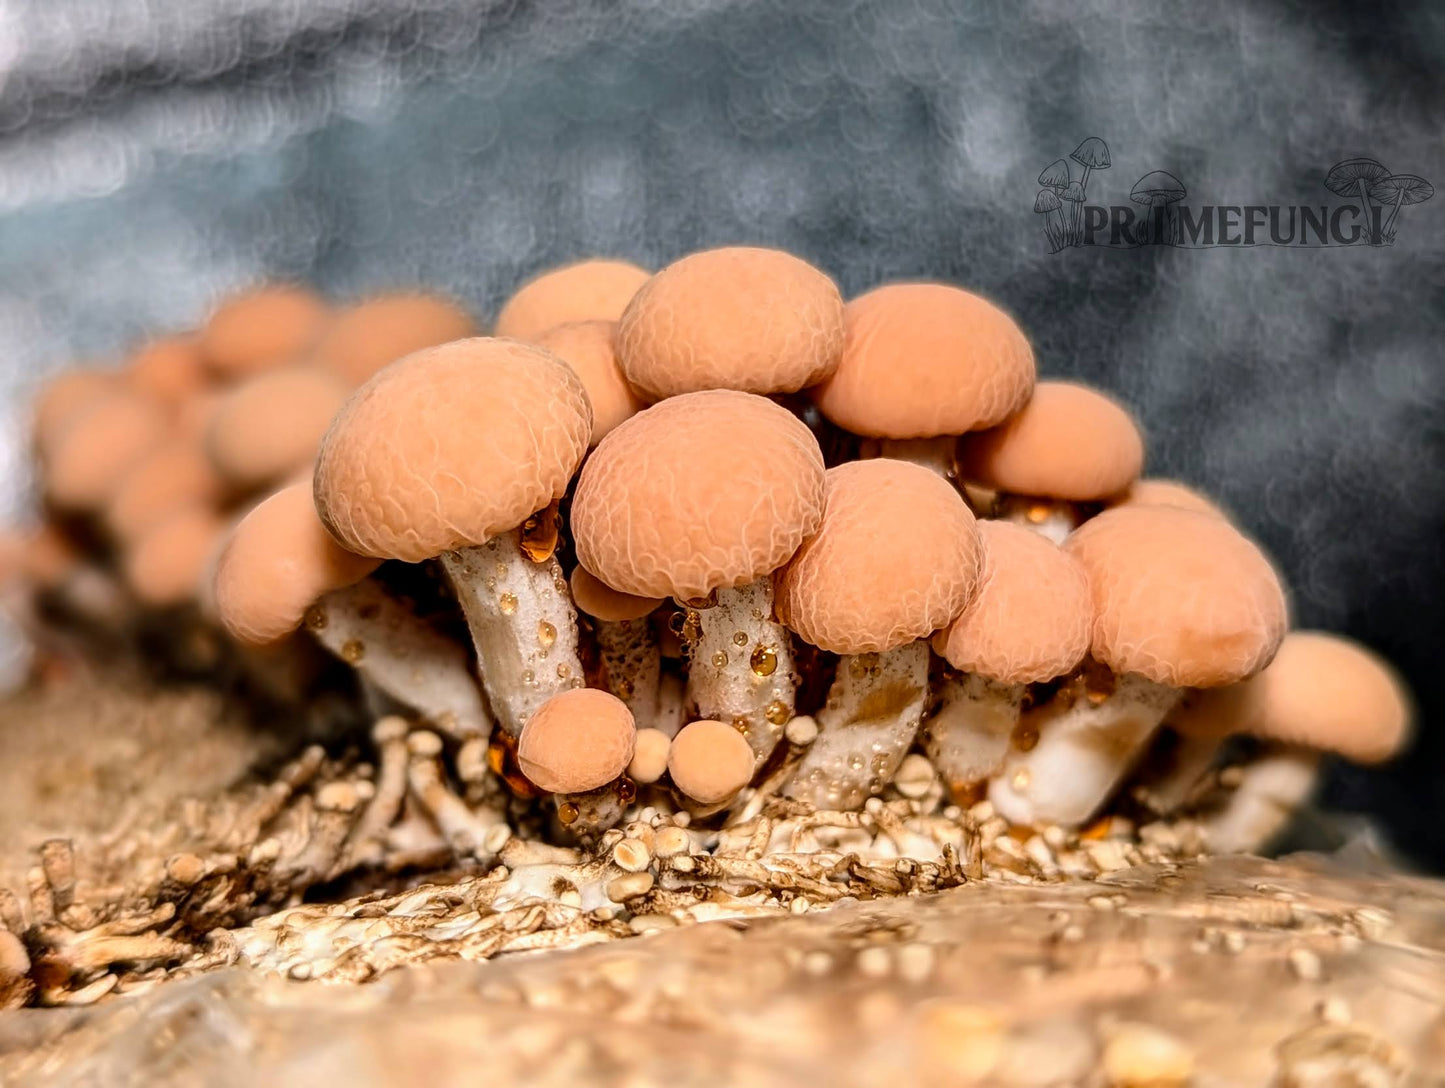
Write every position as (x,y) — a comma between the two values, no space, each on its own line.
(649,756)
(175,474)
(1159,191)
(701,497)
(1181,600)
(587,347)
(895,559)
(260,329)
(170,369)
(924,361)
(754,320)
(1068,445)
(77,587)
(1353,177)
(1160,492)
(576,746)
(591,290)
(625,641)
(270,426)
(1028,623)
(166,563)
(98,445)
(361,340)
(709,762)
(1398,190)
(61,396)
(16,986)
(456,452)
(1048,204)
(280,569)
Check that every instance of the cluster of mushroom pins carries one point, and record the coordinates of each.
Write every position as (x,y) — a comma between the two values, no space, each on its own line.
(714,527)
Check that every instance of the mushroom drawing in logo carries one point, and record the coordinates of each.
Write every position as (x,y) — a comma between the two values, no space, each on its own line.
(1055,176)
(1159,191)
(1048,204)
(1073,196)
(1397,190)
(1092,154)
(1353,177)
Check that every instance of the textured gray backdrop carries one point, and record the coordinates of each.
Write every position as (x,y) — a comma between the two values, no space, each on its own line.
(153,155)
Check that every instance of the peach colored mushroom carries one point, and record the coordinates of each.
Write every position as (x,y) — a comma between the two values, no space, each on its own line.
(1069,445)
(895,558)
(755,320)
(270,426)
(87,458)
(1028,623)
(450,453)
(592,290)
(1159,492)
(923,362)
(63,394)
(166,563)
(649,756)
(1181,600)
(378,331)
(626,642)
(709,762)
(280,570)
(576,746)
(262,328)
(173,475)
(700,498)
(586,346)
(170,369)
(61,576)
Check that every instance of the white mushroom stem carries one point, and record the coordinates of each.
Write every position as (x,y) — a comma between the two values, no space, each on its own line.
(1271,789)
(633,662)
(741,671)
(523,624)
(1081,755)
(1049,518)
(402,656)
(1172,784)
(935,454)
(967,740)
(476,834)
(872,715)
(671,704)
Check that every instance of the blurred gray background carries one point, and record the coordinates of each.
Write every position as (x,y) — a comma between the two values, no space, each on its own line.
(156,153)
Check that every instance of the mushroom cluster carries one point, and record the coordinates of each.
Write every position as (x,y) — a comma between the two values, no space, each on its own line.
(692,538)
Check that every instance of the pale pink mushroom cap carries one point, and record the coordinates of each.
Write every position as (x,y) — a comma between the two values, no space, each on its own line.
(592,290)
(262,328)
(1030,619)
(600,601)
(1180,597)
(449,447)
(100,443)
(64,394)
(699,492)
(709,761)
(578,740)
(377,332)
(924,359)
(270,426)
(166,564)
(1068,442)
(649,756)
(586,346)
(756,320)
(174,475)
(1158,492)
(278,561)
(896,558)
(170,369)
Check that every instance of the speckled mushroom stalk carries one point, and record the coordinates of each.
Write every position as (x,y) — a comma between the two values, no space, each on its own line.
(1181,599)
(848,590)
(626,643)
(1027,623)
(1069,449)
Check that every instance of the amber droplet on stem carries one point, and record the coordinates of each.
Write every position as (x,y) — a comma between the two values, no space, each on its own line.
(567,812)
(626,790)
(764,660)
(507,602)
(352,651)
(502,759)
(546,634)
(316,618)
(539,534)
(777,712)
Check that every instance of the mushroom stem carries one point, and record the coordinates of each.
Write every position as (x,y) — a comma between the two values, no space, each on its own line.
(869,722)
(1272,789)
(403,656)
(1081,754)
(523,624)
(671,704)
(471,834)
(633,661)
(1050,518)
(1365,206)
(967,740)
(1172,784)
(935,454)
(741,669)
(1386,230)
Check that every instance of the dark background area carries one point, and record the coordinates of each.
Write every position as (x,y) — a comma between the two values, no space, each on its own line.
(153,156)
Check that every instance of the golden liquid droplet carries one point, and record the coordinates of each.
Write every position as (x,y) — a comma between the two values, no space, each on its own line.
(764,661)
(740,638)
(624,688)
(507,602)
(719,660)
(691,626)
(564,670)
(1026,740)
(677,621)
(626,790)
(777,712)
(1038,513)
(539,534)
(491,585)
(529,677)
(352,651)
(546,633)
(502,759)
(1021,779)
(316,618)
(567,812)
(1098,697)
(855,762)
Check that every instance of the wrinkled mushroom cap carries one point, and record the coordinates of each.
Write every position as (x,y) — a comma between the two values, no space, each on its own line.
(1180,597)
(576,741)
(449,447)
(699,492)
(586,346)
(709,761)
(924,359)
(98,445)
(173,475)
(1030,619)
(372,334)
(1159,492)
(270,426)
(740,317)
(896,558)
(64,394)
(600,601)
(593,290)
(1069,442)
(262,328)
(277,562)
(170,369)
(166,564)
